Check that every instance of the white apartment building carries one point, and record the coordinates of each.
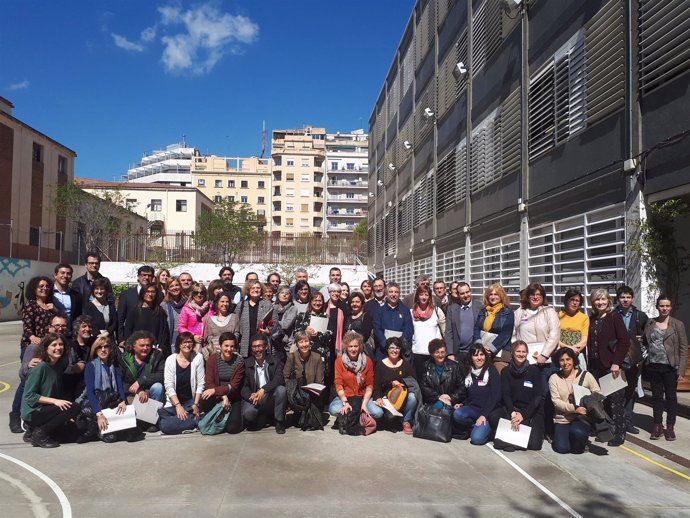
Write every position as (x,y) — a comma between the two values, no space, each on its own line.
(170,166)
(347,180)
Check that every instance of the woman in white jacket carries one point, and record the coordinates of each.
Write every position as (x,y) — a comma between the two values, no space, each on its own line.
(184,381)
(429,322)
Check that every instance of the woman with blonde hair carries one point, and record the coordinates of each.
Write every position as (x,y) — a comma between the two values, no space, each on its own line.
(494,325)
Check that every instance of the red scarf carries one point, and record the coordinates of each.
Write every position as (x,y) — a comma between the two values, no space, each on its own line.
(339,328)
(421,316)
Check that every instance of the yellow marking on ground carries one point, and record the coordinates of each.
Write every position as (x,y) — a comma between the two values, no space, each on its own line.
(675,472)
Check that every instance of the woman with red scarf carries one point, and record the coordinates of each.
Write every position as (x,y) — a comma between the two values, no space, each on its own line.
(429,323)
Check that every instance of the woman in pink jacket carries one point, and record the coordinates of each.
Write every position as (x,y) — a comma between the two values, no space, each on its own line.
(193,313)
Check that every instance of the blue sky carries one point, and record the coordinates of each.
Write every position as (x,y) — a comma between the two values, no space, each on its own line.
(114,79)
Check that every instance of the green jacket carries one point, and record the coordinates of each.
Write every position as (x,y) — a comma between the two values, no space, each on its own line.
(43,380)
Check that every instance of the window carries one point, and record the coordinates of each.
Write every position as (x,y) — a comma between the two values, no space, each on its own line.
(289,207)
(350,166)
(305,178)
(260,200)
(289,192)
(260,212)
(304,192)
(304,222)
(350,195)
(157,205)
(289,222)
(218,183)
(350,210)
(231,184)
(290,162)
(305,162)
(201,182)
(62,165)
(244,184)
(37,152)
(217,198)
(305,207)
(130,203)
(290,177)
(33,236)
(334,166)
(181,205)
(261,184)
(231,199)
(243,199)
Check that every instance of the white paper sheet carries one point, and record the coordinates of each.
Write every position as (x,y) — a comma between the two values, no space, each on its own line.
(609,385)
(533,350)
(488,341)
(389,333)
(579,392)
(316,388)
(319,324)
(505,433)
(147,412)
(117,422)
(389,406)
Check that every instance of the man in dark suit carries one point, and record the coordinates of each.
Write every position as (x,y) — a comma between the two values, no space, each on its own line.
(129,297)
(460,320)
(371,307)
(82,285)
(66,299)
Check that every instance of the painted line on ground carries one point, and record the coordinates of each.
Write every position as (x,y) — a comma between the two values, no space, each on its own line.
(37,506)
(62,498)
(10,363)
(668,455)
(659,464)
(4,386)
(538,484)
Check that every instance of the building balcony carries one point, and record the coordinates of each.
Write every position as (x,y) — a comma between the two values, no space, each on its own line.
(343,198)
(340,227)
(344,213)
(347,184)
(361,169)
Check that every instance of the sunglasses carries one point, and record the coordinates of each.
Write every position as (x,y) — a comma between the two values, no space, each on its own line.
(102,347)
(198,293)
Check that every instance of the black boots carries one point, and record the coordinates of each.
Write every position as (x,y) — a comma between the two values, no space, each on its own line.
(15,423)
(41,438)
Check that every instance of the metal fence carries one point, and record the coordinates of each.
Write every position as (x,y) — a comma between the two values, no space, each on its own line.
(181,248)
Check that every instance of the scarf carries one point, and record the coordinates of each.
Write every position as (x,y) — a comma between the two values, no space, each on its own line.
(491,312)
(518,370)
(339,327)
(420,315)
(105,376)
(357,367)
(200,310)
(477,373)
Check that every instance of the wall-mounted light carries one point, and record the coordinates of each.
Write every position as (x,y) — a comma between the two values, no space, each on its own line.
(428,113)
(379,183)
(391,166)
(459,70)
(390,203)
(371,195)
(407,145)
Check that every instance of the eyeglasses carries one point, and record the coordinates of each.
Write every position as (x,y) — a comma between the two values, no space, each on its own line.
(58,326)
(102,347)
(394,347)
(195,293)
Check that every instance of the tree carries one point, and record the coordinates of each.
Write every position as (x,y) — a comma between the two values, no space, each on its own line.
(228,230)
(361,229)
(99,218)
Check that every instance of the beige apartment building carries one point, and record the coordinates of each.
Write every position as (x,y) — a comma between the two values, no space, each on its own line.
(32,166)
(234,179)
(298,181)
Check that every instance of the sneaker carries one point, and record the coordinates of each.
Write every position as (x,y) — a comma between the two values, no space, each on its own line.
(407,428)
(280,427)
(27,436)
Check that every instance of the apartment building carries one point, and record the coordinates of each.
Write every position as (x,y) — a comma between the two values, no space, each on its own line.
(32,167)
(347,181)
(171,166)
(234,179)
(298,181)
(521,141)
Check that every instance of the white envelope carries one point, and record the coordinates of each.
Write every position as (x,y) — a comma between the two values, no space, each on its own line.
(319,324)
(389,406)
(488,341)
(147,412)
(117,422)
(317,388)
(609,385)
(579,392)
(535,347)
(505,433)
(389,333)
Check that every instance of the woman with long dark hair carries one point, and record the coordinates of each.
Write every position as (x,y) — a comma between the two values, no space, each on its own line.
(37,312)
(101,310)
(148,316)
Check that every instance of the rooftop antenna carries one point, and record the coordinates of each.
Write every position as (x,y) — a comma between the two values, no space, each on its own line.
(264,141)
(184,143)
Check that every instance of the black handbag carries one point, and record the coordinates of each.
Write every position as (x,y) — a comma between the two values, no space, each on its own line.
(296,396)
(352,424)
(434,424)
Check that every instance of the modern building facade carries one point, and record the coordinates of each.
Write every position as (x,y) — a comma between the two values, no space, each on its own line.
(347,181)
(517,141)
(171,166)
(234,179)
(298,182)
(32,167)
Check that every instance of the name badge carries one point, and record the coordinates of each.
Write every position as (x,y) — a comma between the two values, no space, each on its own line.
(481,383)
(400,315)
(528,384)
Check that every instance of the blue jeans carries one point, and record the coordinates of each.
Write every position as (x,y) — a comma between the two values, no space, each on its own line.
(17,401)
(466,416)
(570,438)
(170,424)
(157,392)
(410,407)
(375,411)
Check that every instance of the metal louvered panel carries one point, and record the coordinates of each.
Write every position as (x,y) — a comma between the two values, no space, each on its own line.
(379,235)
(486,33)
(605,58)
(450,266)
(446,84)
(423,209)
(442,8)
(391,158)
(576,85)
(461,171)
(405,216)
(421,267)
(406,133)
(422,125)
(446,183)
(461,57)
(485,152)
(406,70)
(541,111)
(664,41)
(371,240)
(389,233)
(424,33)
(497,260)
(511,141)
(392,100)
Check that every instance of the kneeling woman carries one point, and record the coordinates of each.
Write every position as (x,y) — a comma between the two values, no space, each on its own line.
(442,384)
(483,395)
(224,379)
(184,382)
(390,372)
(42,405)
(522,398)
(571,432)
(305,366)
(354,378)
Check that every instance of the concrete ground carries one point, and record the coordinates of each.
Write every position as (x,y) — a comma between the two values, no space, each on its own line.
(325,474)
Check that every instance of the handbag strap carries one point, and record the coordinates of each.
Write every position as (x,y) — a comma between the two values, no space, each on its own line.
(582,378)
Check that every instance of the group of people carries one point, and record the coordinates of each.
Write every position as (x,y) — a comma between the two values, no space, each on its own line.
(370,357)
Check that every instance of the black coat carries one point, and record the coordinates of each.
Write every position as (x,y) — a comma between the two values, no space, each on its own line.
(82,286)
(126,309)
(99,322)
(451,382)
(251,380)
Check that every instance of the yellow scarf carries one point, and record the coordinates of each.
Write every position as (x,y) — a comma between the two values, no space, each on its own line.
(491,312)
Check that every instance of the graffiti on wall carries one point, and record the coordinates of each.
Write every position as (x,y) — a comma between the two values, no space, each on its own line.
(14,276)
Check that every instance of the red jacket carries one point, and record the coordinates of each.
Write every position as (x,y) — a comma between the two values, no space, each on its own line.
(347,380)
(612,329)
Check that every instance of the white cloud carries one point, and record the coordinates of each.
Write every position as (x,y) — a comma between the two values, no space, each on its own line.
(148,34)
(21,85)
(208,35)
(124,43)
